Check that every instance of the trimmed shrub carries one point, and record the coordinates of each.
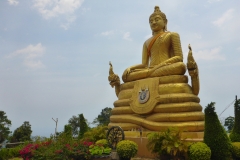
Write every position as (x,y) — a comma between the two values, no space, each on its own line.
(199,151)
(236,150)
(215,136)
(127,149)
(235,134)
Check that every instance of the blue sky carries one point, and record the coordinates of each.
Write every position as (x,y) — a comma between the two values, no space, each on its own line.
(54,54)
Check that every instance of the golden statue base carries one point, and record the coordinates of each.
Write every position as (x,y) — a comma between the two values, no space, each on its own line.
(155,104)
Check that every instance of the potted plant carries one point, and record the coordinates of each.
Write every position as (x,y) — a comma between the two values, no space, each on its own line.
(126,149)
(154,144)
(168,144)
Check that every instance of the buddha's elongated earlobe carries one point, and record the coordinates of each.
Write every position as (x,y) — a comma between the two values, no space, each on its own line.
(165,27)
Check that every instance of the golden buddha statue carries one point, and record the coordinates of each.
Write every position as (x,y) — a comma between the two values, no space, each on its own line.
(155,94)
(162,53)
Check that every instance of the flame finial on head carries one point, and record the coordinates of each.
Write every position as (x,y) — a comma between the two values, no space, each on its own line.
(156,9)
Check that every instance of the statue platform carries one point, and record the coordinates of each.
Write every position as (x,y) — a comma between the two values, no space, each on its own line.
(168,101)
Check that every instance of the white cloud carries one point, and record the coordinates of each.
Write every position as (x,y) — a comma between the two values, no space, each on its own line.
(54,8)
(107,33)
(228,15)
(13,2)
(126,36)
(212,54)
(238,48)
(30,55)
(58,8)
(69,21)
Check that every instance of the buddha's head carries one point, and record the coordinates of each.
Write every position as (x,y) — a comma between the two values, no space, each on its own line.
(158,20)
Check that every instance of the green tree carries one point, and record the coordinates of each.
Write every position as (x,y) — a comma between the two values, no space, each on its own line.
(74,122)
(229,123)
(104,117)
(235,134)
(22,133)
(215,136)
(83,126)
(96,133)
(68,131)
(5,123)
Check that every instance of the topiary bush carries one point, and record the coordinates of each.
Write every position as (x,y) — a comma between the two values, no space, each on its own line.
(236,150)
(235,134)
(127,149)
(215,136)
(199,151)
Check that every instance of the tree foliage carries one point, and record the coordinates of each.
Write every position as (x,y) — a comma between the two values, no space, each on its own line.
(215,136)
(22,133)
(5,123)
(68,130)
(229,123)
(95,134)
(104,117)
(83,126)
(74,122)
(235,134)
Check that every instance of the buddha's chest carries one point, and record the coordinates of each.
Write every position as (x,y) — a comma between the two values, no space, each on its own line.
(160,52)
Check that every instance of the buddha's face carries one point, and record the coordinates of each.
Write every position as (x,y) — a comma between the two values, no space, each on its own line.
(157,23)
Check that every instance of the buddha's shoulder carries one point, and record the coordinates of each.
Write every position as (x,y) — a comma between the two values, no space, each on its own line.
(166,34)
(172,34)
